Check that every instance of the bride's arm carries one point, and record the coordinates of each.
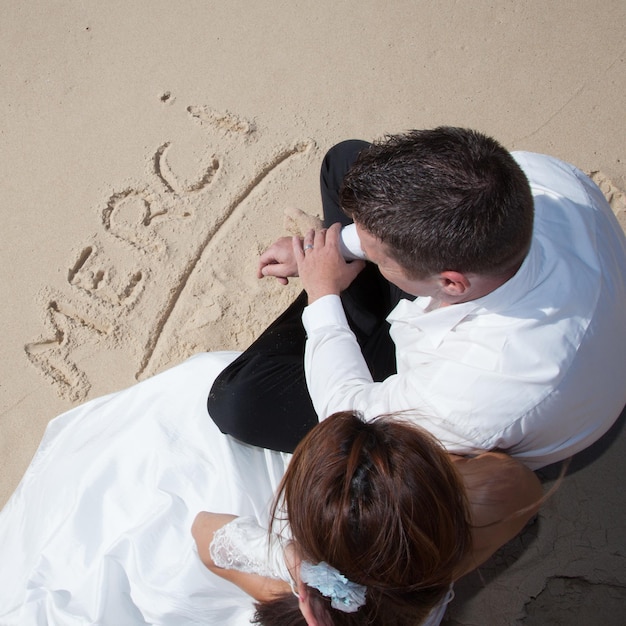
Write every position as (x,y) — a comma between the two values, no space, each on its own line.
(259,587)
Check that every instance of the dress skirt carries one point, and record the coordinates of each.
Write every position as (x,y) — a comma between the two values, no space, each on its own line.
(98,530)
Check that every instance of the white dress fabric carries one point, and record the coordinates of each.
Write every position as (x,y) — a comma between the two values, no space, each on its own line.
(98,531)
(243,545)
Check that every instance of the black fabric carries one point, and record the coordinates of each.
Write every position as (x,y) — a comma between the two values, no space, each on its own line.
(261,398)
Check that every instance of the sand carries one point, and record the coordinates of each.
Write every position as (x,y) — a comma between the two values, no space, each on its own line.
(150,150)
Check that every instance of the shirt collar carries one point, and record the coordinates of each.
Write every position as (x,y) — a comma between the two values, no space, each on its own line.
(519,285)
(439,322)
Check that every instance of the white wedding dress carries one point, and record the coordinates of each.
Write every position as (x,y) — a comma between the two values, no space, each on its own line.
(98,531)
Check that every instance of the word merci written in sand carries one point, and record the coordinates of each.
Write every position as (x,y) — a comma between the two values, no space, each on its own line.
(171,271)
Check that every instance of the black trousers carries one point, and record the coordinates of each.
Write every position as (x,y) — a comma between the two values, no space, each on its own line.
(262,398)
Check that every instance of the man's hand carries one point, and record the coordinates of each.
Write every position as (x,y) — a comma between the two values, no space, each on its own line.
(278,261)
(321,266)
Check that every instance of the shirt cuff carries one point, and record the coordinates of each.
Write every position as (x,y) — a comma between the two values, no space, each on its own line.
(325,311)
(350,244)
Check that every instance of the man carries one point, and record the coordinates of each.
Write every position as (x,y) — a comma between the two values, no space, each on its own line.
(501,277)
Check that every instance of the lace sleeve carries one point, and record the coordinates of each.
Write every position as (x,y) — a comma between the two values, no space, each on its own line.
(245,546)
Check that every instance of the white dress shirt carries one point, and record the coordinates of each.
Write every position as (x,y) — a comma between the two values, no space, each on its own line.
(536,368)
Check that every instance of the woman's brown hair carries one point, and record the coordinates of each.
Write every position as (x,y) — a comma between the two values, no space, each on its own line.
(381,502)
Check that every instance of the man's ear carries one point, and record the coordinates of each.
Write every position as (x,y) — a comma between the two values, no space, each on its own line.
(305,604)
(454,284)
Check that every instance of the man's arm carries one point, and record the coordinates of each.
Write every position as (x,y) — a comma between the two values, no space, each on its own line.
(338,379)
(279,259)
(336,372)
(321,264)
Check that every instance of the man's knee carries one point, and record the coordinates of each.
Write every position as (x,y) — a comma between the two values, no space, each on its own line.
(345,152)
(335,165)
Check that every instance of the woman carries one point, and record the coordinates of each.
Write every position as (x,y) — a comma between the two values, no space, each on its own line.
(377,507)
(379,502)
(98,531)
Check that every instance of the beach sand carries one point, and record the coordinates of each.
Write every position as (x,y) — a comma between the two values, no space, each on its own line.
(150,150)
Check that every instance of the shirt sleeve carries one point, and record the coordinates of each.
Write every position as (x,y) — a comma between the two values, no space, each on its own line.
(335,370)
(350,244)
(339,379)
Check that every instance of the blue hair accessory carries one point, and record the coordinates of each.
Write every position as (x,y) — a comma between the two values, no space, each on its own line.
(344,595)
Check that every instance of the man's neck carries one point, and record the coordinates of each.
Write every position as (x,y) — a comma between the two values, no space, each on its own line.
(480,285)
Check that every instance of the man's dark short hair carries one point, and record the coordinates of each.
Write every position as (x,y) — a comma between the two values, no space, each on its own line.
(442,199)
